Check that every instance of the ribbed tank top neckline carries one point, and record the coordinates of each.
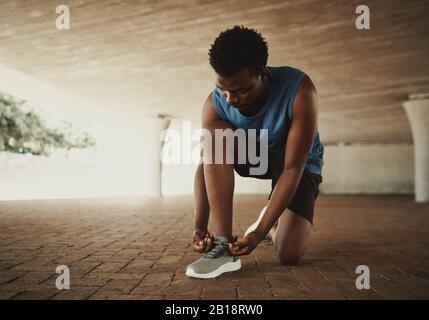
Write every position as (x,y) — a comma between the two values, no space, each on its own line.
(266,103)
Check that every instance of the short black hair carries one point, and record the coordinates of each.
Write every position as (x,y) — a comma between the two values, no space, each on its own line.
(238,48)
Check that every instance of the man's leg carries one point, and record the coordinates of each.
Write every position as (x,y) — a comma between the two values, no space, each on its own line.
(219,188)
(202,207)
(290,237)
(219,182)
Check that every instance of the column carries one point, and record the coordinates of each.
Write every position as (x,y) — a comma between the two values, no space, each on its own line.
(418,115)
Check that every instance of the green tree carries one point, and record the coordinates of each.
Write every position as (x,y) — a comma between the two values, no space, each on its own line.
(26,132)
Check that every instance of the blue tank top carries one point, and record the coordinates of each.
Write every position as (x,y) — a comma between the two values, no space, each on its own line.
(275,115)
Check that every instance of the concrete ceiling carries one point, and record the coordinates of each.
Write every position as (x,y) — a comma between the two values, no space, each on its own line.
(141,58)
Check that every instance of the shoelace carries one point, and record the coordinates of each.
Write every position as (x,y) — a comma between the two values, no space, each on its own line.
(218,250)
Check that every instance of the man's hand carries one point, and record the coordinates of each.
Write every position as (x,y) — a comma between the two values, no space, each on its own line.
(203,241)
(247,245)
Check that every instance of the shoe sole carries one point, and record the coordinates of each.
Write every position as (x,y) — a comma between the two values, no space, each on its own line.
(227,267)
(255,224)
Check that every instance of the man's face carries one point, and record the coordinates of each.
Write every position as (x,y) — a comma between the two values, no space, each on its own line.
(241,90)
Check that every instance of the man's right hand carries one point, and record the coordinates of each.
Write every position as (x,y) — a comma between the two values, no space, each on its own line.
(203,241)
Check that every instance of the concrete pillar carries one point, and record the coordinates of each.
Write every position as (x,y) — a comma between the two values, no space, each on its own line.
(144,148)
(418,115)
(154,174)
(165,123)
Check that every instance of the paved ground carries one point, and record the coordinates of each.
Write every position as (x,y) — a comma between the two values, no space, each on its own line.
(132,248)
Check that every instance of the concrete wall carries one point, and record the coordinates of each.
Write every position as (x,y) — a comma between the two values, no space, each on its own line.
(126,161)
(375,168)
(349,169)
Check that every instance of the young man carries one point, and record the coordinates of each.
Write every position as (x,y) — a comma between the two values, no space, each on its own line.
(251,95)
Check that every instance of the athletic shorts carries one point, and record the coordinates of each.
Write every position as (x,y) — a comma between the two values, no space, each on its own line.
(305,196)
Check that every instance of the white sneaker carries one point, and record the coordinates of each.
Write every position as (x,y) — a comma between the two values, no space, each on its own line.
(254,225)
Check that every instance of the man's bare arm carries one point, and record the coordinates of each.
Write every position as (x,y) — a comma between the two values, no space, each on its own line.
(208,116)
(209,113)
(300,138)
(203,239)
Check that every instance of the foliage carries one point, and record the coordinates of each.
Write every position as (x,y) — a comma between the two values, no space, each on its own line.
(26,132)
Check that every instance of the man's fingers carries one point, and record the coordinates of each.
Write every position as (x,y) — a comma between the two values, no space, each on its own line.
(198,248)
(199,235)
(208,242)
(243,251)
(238,248)
(205,244)
(209,246)
(239,244)
(239,251)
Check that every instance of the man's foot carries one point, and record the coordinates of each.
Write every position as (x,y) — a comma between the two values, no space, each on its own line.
(215,262)
(254,225)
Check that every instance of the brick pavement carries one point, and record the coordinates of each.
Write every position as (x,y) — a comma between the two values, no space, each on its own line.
(136,248)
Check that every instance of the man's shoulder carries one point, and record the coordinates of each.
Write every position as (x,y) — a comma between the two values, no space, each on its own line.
(306,87)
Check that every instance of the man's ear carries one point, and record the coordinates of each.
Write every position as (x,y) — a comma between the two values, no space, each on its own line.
(263,74)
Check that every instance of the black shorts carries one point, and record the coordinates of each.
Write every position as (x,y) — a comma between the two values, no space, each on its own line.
(308,189)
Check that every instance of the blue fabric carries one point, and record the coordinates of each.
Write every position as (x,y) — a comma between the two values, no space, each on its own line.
(275,115)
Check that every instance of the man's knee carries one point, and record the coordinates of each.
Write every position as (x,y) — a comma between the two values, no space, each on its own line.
(290,260)
(289,257)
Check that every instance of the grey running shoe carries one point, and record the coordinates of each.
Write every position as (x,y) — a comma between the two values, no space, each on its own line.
(215,262)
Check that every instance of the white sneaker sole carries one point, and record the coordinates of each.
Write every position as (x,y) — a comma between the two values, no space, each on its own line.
(254,225)
(227,267)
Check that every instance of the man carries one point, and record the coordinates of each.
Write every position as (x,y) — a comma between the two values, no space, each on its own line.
(251,95)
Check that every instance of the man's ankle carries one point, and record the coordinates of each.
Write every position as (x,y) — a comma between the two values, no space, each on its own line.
(222,238)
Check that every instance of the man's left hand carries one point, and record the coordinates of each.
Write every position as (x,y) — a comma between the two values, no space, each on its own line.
(247,245)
